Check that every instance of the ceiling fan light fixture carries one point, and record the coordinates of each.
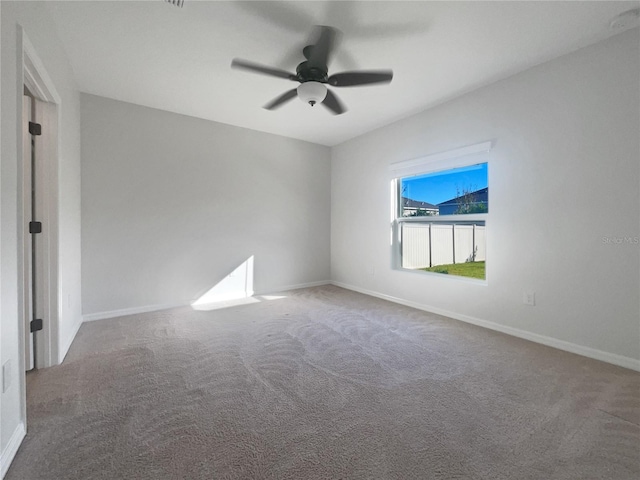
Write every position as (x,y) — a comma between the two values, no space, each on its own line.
(312,92)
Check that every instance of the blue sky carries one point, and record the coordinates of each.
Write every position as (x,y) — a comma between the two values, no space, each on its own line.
(440,186)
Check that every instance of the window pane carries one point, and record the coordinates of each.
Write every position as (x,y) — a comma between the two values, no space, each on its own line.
(457,191)
(454,248)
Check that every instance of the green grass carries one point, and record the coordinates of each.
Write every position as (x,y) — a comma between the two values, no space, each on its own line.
(469,269)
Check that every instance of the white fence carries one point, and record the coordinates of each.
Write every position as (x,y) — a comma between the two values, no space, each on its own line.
(430,244)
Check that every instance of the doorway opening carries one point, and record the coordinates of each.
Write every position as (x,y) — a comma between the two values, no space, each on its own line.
(38,211)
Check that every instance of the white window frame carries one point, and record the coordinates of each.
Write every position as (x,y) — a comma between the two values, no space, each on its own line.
(457,158)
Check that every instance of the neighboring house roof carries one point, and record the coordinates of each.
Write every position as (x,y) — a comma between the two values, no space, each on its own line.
(480,196)
(409,203)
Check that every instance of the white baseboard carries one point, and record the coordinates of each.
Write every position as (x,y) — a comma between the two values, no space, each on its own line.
(11,449)
(90,317)
(297,286)
(612,358)
(127,311)
(69,340)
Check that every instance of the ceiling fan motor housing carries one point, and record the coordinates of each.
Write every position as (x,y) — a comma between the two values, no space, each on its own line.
(305,73)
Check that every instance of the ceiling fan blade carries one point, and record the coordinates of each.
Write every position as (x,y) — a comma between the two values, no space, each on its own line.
(287,16)
(285,97)
(323,47)
(255,67)
(352,79)
(333,103)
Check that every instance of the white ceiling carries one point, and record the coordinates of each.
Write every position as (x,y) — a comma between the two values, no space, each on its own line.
(154,54)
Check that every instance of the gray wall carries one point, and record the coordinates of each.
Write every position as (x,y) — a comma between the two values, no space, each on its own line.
(172,204)
(564,177)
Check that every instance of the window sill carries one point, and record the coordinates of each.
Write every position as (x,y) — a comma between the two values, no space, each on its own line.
(445,276)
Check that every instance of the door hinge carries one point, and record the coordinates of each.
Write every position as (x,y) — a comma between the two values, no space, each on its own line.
(35,128)
(35,325)
(35,227)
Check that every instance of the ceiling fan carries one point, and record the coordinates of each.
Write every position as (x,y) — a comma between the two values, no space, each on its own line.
(313,76)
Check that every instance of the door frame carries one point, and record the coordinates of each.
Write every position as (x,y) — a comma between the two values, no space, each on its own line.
(34,76)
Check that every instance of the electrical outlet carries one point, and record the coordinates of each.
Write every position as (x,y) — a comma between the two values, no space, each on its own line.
(6,376)
(529,298)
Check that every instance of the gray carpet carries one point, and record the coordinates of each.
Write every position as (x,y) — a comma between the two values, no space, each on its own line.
(324,384)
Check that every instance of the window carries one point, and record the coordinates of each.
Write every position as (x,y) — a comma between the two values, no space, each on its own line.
(440,210)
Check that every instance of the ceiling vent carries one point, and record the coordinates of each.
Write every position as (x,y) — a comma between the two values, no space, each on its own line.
(177,3)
